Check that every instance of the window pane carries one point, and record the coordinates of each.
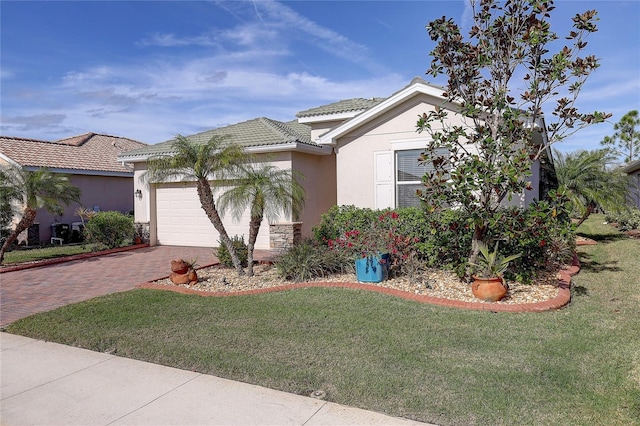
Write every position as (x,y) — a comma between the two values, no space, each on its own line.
(408,168)
(406,195)
(409,175)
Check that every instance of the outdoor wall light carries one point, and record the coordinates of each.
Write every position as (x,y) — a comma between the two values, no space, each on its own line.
(138,194)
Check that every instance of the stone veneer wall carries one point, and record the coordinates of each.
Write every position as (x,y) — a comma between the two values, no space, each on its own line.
(142,231)
(284,235)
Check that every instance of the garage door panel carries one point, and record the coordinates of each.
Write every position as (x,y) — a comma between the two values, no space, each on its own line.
(181,220)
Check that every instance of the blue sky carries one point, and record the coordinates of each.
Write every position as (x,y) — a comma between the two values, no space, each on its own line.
(149,70)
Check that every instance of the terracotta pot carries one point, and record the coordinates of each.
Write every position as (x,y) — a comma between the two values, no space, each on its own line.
(179,266)
(488,289)
(190,277)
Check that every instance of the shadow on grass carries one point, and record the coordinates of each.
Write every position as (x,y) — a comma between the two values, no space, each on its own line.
(603,238)
(588,264)
(580,291)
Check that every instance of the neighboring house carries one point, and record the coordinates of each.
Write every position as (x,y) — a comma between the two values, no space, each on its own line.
(633,171)
(91,160)
(360,152)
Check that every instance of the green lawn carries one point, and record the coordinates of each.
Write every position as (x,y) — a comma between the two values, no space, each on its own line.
(44,253)
(576,366)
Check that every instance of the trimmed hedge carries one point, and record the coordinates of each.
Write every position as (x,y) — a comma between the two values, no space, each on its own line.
(110,228)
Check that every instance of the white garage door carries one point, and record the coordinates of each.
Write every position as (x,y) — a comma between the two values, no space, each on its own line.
(182,222)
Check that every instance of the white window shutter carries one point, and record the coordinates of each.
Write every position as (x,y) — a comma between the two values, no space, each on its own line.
(383,179)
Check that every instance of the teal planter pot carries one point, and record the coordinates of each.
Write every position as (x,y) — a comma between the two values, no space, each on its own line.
(372,269)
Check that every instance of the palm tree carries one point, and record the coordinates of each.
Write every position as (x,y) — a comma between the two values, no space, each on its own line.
(201,162)
(589,183)
(33,190)
(266,191)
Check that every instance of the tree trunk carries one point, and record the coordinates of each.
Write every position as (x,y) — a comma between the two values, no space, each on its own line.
(28,217)
(254,228)
(590,208)
(209,206)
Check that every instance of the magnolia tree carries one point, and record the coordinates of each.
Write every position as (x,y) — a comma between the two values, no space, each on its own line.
(499,79)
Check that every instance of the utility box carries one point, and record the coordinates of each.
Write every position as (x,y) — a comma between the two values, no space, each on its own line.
(62,231)
(77,232)
(33,234)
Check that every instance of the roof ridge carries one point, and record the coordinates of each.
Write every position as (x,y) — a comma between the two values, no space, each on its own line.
(18,138)
(77,140)
(351,105)
(280,128)
(290,130)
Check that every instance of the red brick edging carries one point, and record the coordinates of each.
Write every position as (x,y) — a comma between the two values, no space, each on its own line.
(562,299)
(47,262)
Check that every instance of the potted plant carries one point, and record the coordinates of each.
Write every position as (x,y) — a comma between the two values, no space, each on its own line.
(371,246)
(373,268)
(488,281)
(370,251)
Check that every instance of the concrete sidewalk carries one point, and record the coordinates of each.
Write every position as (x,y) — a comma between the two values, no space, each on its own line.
(45,383)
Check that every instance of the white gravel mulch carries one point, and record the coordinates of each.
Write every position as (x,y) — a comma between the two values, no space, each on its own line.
(435,283)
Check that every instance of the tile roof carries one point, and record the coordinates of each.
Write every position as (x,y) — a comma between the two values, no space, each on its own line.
(348,105)
(258,132)
(631,167)
(87,152)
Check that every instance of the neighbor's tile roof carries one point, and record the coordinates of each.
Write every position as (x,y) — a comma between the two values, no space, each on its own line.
(348,105)
(84,152)
(252,133)
(631,167)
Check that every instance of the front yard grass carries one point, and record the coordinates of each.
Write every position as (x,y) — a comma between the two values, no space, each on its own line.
(44,253)
(576,366)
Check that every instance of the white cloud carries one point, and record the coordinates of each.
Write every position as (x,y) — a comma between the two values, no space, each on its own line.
(89,76)
(171,40)
(467,16)
(614,88)
(6,74)
(27,124)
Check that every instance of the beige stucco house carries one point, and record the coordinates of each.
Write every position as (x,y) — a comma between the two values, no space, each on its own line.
(91,160)
(360,152)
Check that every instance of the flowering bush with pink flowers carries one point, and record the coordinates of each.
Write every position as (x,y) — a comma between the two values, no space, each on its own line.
(382,236)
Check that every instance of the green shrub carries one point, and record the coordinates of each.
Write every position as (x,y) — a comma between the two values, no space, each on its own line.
(222,252)
(111,229)
(435,240)
(341,219)
(446,240)
(309,260)
(6,216)
(627,220)
(542,233)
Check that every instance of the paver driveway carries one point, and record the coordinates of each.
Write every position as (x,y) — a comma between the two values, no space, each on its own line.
(29,291)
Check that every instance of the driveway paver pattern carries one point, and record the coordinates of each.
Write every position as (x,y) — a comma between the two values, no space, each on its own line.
(30,291)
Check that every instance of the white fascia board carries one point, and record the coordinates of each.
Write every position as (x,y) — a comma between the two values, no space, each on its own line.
(9,160)
(83,172)
(329,117)
(136,159)
(330,137)
(298,147)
